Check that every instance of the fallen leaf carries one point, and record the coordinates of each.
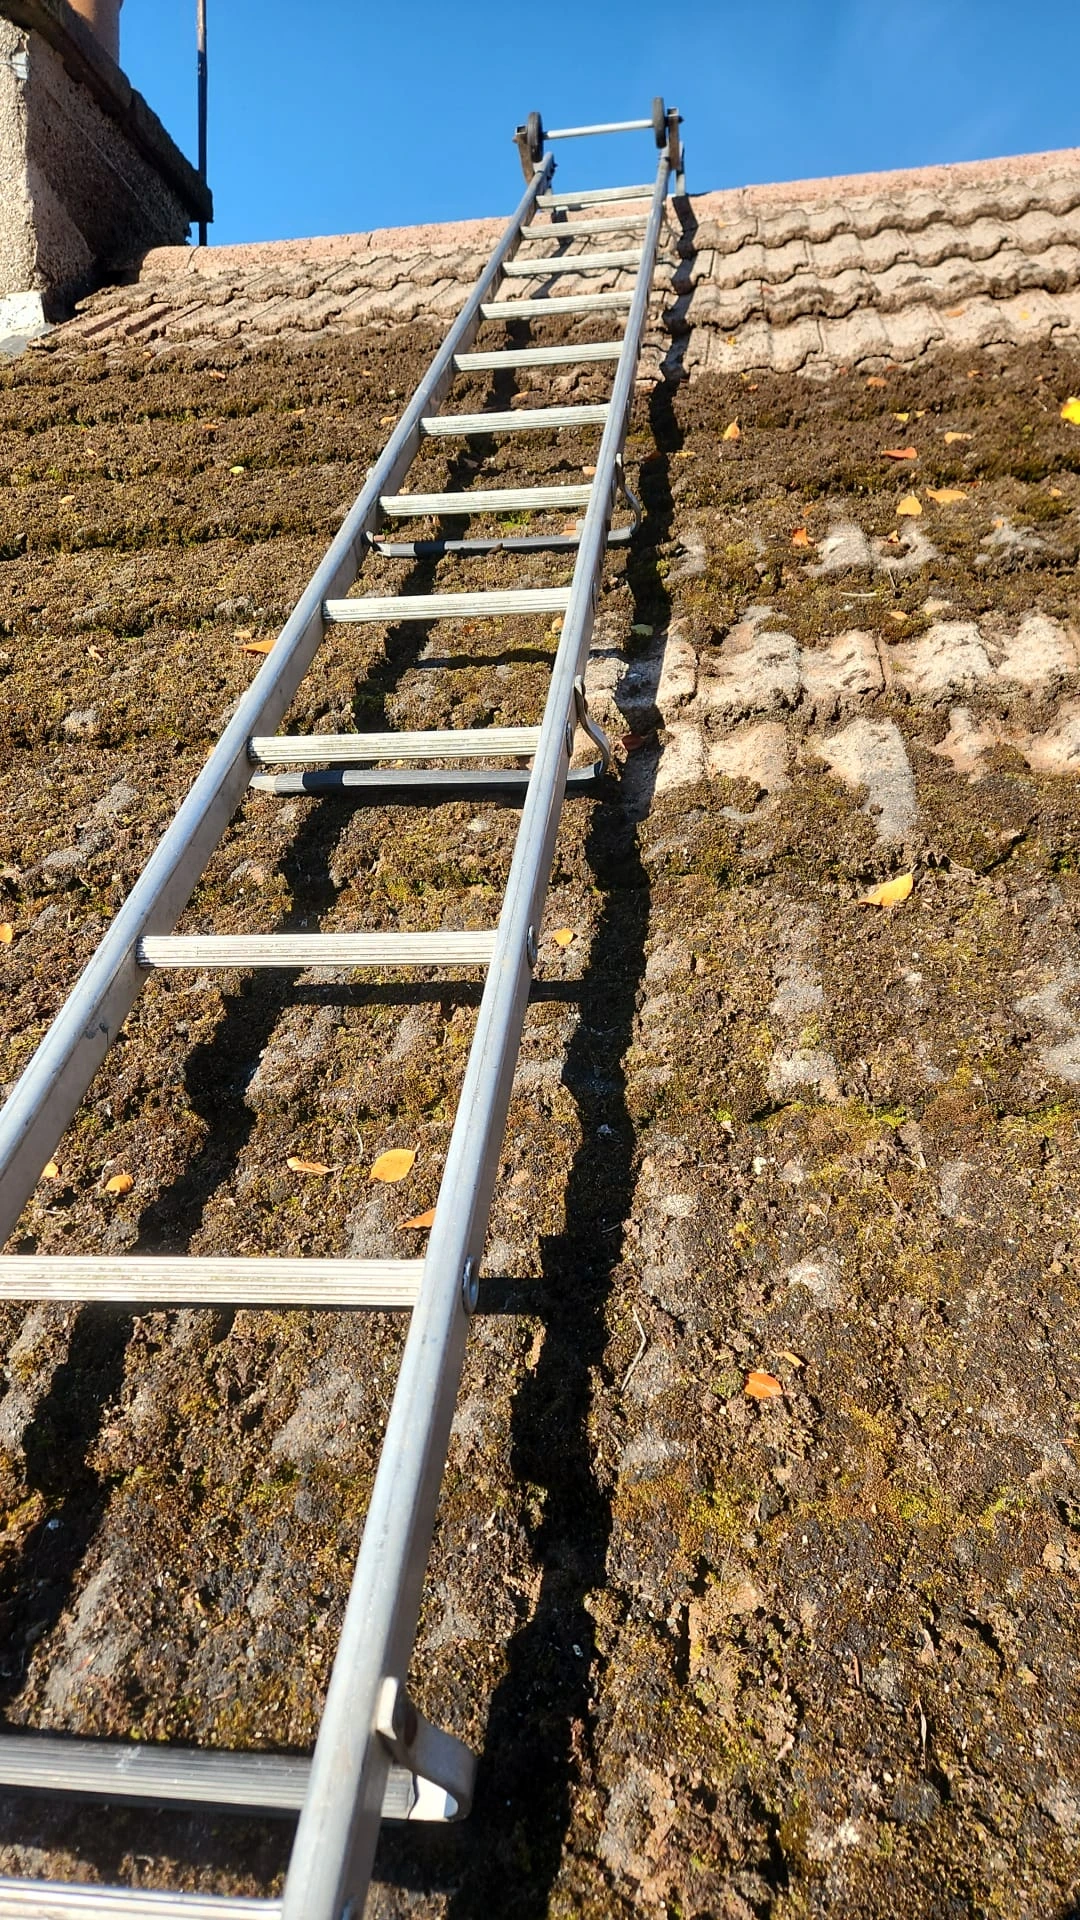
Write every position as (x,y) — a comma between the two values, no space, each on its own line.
(306,1166)
(50,1170)
(418,1220)
(563,936)
(1070,412)
(898,614)
(120,1183)
(213,374)
(687,453)
(902,417)
(732,432)
(800,537)
(68,500)
(952,437)
(910,504)
(237,469)
(393,1165)
(899,453)
(588,472)
(946,496)
(387,419)
(7,933)
(763,1386)
(1055,493)
(257,646)
(877,380)
(793,1359)
(632,741)
(890,893)
(955,313)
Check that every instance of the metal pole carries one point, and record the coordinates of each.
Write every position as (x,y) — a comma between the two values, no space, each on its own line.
(200,42)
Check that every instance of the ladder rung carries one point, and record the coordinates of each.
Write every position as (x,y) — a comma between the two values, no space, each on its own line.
(316,950)
(111,1770)
(353,749)
(50,1900)
(570,263)
(537,356)
(571,229)
(449,606)
(594,196)
(389,1285)
(416,784)
(419,506)
(536,309)
(522,420)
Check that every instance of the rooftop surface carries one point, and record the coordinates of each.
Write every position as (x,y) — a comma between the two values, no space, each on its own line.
(814,1654)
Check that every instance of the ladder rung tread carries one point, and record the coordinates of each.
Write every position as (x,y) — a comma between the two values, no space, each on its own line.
(543,265)
(537,356)
(536,309)
(352,749)
(390,1285)
(520,420)
(463,949)
(50,1900)
(449,606)
(418,506)
(413,784)
(594,196)
(574,229)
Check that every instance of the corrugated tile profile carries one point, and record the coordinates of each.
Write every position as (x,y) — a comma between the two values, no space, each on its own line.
(805,277)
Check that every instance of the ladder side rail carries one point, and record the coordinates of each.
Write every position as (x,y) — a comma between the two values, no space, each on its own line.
(53,1083)
(338,1828)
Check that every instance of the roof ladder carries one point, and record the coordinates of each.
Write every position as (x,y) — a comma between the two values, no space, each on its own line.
(375,1757)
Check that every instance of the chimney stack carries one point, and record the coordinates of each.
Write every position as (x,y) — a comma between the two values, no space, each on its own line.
(103,19)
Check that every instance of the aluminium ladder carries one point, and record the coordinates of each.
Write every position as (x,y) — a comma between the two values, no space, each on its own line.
(375,1757)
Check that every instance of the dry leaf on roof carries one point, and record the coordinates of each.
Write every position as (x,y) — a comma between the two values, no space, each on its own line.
(631,742)
(393,1165)
(899,453)
(952,437)
(563,936)
(418,1220)
(50,1170)
(237,469)
(387,419)
(877,380)
(120,1183)
(1055,493)
(946,496)
(955,313)
(910,504)
(732,432)
(890,893)
(213,374)
(588,472)
(7,933)
(1070,412)
(897,613)
(800,537)
(257,646)
(306,1166)
(902,417)
(763,1386)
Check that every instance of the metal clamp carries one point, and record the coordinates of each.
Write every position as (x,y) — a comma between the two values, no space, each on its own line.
(628,494)
(588,725)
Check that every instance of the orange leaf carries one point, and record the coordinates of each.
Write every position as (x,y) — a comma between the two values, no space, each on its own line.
(955,313)
(588,472)
(890,893)
(910,504)
(120,1183)
(877,380)
(732,432)
(68,500)
(952,437)
(632,741)
(419,1220)
(899,453)
(762,1386)
(306,1166)
(563,936)
(393,1165)
(800,537)
(1070,412)
(7,933)
(50,1171)
(946,496)
(257,646)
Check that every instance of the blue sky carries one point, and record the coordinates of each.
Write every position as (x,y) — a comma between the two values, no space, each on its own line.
(332,116)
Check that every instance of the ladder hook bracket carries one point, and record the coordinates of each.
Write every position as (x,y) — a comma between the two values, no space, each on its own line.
(426,1751)
(628,494)
(588,725)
